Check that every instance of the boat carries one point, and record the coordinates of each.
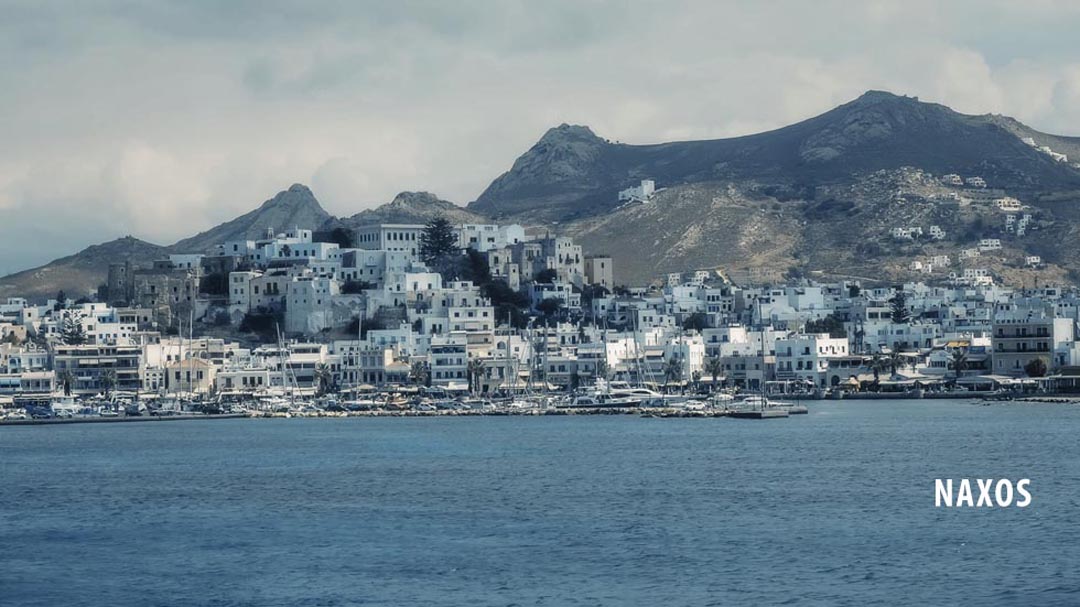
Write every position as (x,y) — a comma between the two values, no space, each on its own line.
(64,406)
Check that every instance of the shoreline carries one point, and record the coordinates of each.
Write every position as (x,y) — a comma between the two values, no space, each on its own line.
(647,412)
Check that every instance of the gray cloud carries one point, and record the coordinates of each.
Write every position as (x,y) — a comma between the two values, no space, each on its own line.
(159,119)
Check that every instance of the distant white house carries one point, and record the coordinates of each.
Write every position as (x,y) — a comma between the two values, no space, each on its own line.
(937,233)
(1032,260)
(975,182)
(990,244)
(1008,204)
(640,193)
(952,179)
(905,233)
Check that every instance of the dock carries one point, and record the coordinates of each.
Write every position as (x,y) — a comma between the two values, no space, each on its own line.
(759,414)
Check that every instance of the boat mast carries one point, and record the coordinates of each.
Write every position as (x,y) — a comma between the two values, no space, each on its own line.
(763,373)
(191,339)
(509,364)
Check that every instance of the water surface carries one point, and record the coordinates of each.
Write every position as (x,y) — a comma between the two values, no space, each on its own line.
(833,508)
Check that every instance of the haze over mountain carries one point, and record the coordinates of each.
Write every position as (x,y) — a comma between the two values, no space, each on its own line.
(815,198)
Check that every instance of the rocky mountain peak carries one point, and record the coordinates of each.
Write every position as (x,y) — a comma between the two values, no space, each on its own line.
(416,199)
(570,133)
(297,197)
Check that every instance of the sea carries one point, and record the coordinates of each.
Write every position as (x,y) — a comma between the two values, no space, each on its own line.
(832,508)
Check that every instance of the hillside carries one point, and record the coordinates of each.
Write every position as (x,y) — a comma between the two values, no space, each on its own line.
(407,207)
(818,198)
(292,208)
(572,173)
(296,207)
(78,274)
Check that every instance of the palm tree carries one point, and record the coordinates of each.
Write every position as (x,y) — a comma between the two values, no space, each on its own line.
(673,369)
(476,367)
(959,361)
(67,379)
(895,361)
(324,379)
(108,381)
(601,369)
(878,363)
(714,367)
(419,373)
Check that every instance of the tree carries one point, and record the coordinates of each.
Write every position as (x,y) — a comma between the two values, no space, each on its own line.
(602,369)
(324,379)
(215,283)
(437,242)
(477,269)
(420,374)
(61,300)
(697,321)
(353,287)
(546,276)
(831,324)
(895,361)
(108,381)
(673,369)
(1036,368)
(714,367)
(342,236)
(12,339)
(549,307)
(898,303)
(591,292)
(73,333)
(500,293)
(959,361)
(67,380)
(878,363)
(475,369)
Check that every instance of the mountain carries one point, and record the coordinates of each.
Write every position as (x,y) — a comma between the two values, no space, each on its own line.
(295,207)
(78,274)
(572,173)
(407,207)
(82,272)
(818,198)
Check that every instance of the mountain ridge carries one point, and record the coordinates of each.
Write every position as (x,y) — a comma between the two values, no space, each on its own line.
(877,130)
(793,186)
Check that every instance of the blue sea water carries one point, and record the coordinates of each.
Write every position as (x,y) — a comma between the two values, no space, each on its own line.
(832,508)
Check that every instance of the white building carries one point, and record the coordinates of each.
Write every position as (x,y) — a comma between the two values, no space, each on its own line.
(806,357)
(640,193)
(486,237)
(1008,204)
(402,237)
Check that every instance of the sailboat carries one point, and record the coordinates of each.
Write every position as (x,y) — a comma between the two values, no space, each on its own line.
(758,406)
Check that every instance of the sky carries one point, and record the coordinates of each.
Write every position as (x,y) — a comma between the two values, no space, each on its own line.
(161,119)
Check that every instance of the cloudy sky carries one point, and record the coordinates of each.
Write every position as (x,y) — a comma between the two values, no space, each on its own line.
(160,119)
